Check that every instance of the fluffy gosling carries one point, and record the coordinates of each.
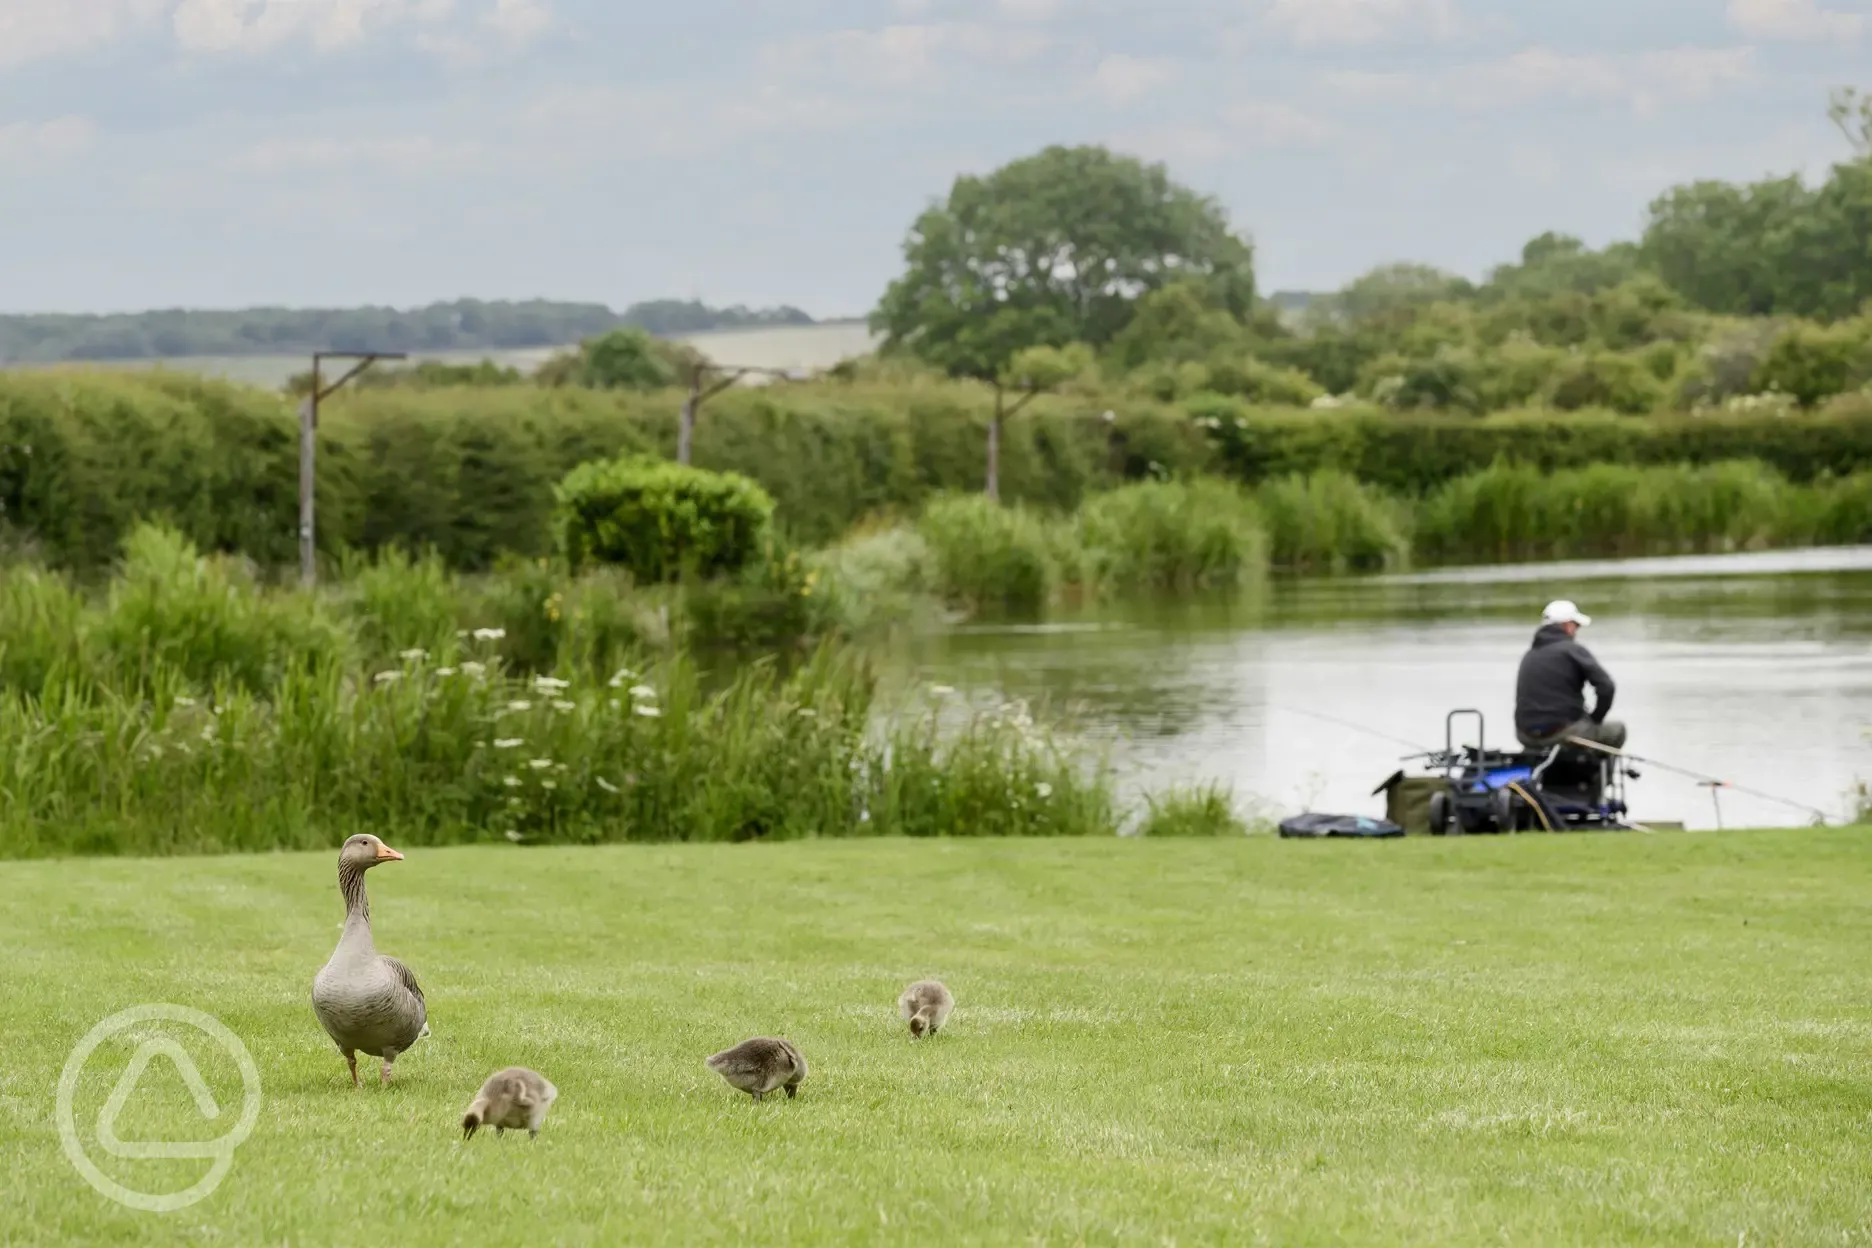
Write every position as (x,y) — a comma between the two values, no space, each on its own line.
(925,1005)
(515,1098)
(760,1065)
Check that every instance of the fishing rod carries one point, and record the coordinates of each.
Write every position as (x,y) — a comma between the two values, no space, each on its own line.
(1712,783)
(1354,726)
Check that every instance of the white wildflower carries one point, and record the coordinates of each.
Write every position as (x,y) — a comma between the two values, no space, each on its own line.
(1044,789)
(384,678)
(512,782)
(514,836)
(474,669)
(509,743)
(560,704)
(520,706)
(445,671)
(606,785)
(550,684)
(489,634)
(623,674)
(648,712)
(180,701)
(540,764)
(616,705)
(642,691)
(413,656)
(549,784)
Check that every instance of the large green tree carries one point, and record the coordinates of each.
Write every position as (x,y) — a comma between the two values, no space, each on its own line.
(1051,250)
(1777,246)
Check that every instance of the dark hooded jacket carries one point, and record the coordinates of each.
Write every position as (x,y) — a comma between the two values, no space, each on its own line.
(1550,693)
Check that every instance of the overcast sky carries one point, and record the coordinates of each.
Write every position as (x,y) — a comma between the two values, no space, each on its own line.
(234,152)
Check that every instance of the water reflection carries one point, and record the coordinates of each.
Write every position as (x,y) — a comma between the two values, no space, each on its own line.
(1752,668)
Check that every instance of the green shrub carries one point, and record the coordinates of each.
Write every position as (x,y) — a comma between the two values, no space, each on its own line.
(660,520)
(1180,535)
(989,556)
(1607,380)
(1815,362)
(1257,381)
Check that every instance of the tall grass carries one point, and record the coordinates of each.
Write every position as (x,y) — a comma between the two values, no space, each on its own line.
(1160,535)
(990,557)
(1329,522)
(1510,511)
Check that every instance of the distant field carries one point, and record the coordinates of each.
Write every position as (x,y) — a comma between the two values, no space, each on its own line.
(1516,1040)
(785,346)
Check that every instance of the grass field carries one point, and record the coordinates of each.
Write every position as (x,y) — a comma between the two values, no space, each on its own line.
(1583,1040)
(810,347)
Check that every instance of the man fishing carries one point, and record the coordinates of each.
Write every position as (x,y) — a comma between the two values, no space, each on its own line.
(1550,692)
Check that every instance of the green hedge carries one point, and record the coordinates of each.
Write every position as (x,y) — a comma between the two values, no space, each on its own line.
(471,471)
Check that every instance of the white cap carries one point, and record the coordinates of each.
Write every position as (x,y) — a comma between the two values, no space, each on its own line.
(1564,612)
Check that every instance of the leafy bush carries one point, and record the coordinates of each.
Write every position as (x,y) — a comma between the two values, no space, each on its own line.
(1814,362)
(1608,380)
(622,359)
(659,520)
(1257,381)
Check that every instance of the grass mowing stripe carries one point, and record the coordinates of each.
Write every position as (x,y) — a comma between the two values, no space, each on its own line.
(1530,1040)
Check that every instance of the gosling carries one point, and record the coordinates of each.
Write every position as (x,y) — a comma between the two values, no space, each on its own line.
(760,1065)
(925,1005)
(515,1098)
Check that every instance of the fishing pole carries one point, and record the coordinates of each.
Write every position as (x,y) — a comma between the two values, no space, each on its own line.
(1712,783)
(1355,727)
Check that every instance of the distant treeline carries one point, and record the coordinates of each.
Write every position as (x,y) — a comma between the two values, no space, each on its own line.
(463,325)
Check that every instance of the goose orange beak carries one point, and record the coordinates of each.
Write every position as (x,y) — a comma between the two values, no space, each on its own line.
(386,854)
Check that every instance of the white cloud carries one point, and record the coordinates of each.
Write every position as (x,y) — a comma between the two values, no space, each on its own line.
(901,56)
(1315,22)
(1124,79)
(1643,83)
(321,156)
(571,125)
(32,30)
(29,142)
(1263,123)
(257,26)
(1031,10)
(1242,127)
(1795,20)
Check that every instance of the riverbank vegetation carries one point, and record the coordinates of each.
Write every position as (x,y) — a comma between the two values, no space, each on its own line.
(186,708)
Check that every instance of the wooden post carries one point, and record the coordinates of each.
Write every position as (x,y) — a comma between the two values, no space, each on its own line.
(308,448)
(994,450)
(685,430)
(308,474)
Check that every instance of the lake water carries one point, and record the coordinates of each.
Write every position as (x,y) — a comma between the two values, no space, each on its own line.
(1755,669)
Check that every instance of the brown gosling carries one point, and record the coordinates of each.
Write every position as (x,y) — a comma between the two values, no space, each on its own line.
(925,1005)
(760,1065)
(515,1098)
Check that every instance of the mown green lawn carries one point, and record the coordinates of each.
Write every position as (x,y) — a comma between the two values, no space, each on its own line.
(1628,1039)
